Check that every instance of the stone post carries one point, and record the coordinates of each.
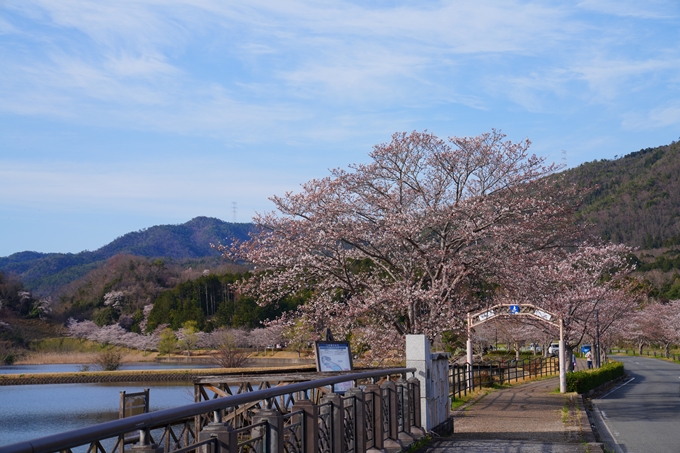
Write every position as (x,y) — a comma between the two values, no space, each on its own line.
(311,425)
(331,405)
(273,441)
(389,393)
(359,441)
(375,393)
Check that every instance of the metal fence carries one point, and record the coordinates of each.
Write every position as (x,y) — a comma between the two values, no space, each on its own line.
(485,374)
(381,411)
(648,353)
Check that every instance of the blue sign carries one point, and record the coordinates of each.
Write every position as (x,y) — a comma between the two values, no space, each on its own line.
(514,309)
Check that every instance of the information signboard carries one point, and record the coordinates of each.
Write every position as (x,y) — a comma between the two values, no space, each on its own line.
(334,356)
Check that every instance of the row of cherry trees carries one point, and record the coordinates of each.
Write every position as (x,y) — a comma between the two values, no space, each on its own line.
(655,324)
(115,334)
(429,230)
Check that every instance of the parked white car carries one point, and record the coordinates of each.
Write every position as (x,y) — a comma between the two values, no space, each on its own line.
(554,349)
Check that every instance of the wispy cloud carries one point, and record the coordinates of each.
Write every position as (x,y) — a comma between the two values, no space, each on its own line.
(668,115)
(649,9)
(345,53)
(269,94)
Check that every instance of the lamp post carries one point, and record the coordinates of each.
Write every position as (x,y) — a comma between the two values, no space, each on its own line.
(561,361)
(469,352)
(597,338)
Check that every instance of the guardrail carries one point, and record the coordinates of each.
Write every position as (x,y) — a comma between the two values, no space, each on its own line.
(486,374)
(383,413)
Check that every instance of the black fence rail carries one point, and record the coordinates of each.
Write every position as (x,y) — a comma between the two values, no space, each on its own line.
(485,374)
(380,411)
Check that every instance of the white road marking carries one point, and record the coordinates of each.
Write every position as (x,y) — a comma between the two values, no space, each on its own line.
(613,390)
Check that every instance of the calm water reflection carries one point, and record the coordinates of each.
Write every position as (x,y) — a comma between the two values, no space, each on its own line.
(30,411)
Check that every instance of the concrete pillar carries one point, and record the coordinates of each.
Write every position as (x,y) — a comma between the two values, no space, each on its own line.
(418,357)
(432,371)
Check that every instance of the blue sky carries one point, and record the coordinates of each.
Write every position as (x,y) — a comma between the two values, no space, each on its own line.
(116,116)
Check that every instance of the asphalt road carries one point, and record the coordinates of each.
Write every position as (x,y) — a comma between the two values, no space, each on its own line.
(643,415)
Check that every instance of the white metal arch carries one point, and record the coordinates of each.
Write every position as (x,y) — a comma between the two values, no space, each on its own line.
(506,310)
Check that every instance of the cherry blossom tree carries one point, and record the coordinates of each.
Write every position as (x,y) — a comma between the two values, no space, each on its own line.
(656,323)
(267,336)
(113,334)
(409,241)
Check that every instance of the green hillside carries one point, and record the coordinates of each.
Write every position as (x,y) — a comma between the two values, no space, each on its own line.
(636,198)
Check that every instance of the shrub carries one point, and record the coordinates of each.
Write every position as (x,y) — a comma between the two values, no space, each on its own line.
(228,355)
(7,356)
(109,359)
(584,381)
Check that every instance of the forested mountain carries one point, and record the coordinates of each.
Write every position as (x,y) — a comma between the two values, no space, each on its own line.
(43,273)
(118,291)
(636,198)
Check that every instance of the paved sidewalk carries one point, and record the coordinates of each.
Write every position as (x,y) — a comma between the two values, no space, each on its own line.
(528,418)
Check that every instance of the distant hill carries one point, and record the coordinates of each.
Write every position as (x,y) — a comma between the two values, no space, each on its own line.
(44,272)
(636,198)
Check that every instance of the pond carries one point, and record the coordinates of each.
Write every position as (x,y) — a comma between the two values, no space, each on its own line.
(31,411)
